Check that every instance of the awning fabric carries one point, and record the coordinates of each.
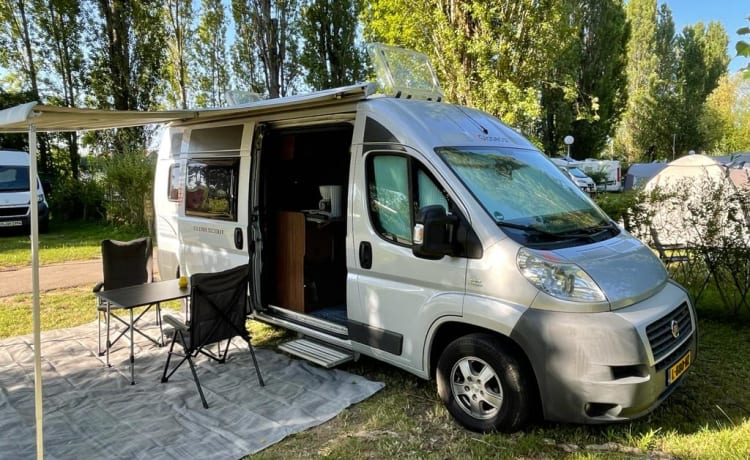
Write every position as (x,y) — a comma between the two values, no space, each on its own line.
(47,118)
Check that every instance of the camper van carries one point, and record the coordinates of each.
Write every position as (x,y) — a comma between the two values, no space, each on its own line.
(611,168)
(578,177)
(15,199)
(432,237)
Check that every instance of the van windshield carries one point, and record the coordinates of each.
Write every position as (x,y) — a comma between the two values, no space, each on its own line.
(577,173)
(528,196)
(14,178)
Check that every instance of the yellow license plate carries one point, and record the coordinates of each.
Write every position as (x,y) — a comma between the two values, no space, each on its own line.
(678,368)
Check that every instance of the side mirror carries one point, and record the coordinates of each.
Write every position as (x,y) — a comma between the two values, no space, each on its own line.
(46,187)
(433,233)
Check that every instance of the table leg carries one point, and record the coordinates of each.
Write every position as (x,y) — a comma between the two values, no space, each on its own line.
(132,351)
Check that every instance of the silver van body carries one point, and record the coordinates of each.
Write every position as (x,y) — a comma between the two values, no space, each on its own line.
(502,309)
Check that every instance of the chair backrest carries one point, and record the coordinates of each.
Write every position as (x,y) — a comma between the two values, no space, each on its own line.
(218,305)
(126,263)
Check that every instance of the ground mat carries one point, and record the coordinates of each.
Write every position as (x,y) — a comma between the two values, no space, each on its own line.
(92,411)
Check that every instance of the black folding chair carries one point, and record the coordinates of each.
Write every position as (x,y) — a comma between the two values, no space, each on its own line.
(125,263)
(217,312)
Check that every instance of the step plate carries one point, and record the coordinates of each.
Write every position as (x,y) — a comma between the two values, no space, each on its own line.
(316,352)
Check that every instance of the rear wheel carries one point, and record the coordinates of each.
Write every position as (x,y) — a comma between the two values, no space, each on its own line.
(483,386)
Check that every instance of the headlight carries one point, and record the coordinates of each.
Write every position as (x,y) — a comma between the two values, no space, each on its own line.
(562,280)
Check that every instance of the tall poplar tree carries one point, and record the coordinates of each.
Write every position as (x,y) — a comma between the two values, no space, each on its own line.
(601,78)
(61,24)
(19,56)
(179,30)
(210,63)
(330,55)
(593,60)
(271,27)
(128,64)
(642,66)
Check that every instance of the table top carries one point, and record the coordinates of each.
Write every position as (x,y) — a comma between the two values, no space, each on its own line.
(145,294)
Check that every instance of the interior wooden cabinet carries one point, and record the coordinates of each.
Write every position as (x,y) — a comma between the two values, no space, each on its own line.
(309,255)
(290,268)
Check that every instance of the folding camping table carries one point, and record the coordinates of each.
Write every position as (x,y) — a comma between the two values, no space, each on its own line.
(140,295)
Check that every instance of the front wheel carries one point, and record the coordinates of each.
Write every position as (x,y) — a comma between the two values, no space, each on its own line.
(483,386)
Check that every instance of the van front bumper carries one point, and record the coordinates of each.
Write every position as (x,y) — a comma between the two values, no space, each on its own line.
(611,366)
(20,216)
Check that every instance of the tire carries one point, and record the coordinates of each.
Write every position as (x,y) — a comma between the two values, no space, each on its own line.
(483,386)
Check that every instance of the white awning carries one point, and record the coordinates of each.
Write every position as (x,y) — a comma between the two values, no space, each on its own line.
(47,118)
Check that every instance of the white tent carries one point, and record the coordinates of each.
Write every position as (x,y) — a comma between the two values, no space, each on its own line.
(685,183)
(32,117)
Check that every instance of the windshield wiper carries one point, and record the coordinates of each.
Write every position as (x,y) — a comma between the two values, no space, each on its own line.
(590,233)
(528,228)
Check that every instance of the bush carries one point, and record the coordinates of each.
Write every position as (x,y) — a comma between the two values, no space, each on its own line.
(707,220)
(127,180)
(617,205)
(72,199)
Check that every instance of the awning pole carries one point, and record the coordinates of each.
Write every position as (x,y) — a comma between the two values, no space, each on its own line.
(35,293)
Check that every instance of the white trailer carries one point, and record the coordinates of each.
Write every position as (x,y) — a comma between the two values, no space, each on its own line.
(612,168)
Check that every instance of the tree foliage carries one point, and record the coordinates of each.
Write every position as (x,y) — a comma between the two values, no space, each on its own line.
(211,67)
(331,56)
(743,48)
(179,33)
(670,77)
(489,55)
(725,120)
(272,26)
(128,51)
(595,62)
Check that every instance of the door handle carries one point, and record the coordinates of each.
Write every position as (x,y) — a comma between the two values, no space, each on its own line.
(238,243)
(365,255)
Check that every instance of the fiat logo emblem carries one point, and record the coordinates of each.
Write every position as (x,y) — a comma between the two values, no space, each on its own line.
(675,327)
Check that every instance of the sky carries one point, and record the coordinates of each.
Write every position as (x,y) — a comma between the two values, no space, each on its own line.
(731,13)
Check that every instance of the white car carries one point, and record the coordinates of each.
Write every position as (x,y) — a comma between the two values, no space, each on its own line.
(579,178)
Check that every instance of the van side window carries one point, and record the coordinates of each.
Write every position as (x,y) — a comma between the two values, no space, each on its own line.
(211,189)
(173,188)
(397,188)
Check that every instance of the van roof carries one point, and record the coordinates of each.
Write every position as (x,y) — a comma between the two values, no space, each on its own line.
(435,124)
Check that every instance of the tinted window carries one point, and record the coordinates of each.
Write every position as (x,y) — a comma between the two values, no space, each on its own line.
(173,188)
(397,188)
(211,189)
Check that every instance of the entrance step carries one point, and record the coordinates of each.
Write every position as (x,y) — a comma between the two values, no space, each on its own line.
(316,352)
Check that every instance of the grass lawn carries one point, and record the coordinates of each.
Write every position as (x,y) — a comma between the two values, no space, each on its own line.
(78,240)
(708,417)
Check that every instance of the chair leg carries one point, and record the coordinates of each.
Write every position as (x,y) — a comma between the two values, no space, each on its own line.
(197,382)
(255,361)
(159,323)
(108,343)
(99,331)
(164,377)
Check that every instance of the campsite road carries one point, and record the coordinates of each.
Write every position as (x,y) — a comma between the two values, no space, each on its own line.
(54,276)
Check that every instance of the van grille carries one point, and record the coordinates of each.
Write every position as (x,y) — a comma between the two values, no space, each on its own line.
(660,335)
(14,211)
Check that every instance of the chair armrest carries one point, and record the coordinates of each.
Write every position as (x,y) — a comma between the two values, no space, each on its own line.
(99,286)
(175,323)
